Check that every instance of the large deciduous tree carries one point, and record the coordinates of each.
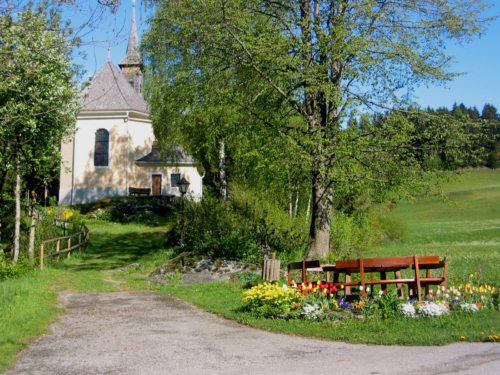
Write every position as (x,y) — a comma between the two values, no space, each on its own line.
(319,60)
(38,97)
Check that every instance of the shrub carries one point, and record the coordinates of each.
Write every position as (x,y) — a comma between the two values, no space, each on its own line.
(217,230)
(8,270)
(357,231)
(149,210)
(248,224)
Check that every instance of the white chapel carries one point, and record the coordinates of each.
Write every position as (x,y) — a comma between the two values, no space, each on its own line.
(113,151)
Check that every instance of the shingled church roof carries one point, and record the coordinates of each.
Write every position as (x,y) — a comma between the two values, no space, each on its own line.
(110,90)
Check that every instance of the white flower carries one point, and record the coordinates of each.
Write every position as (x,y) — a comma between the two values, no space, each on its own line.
(432,309)
(361,288)
(470,307)
(408,310)
(285,287)
(311,312)
(368,289)
(380,292)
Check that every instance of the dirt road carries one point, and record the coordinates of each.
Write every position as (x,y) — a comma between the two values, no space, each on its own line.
(148,333)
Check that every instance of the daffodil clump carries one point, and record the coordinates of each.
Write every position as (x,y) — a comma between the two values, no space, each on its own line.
(271,300)
(469,296)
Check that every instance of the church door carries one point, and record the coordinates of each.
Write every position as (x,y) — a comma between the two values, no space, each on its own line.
(156,182)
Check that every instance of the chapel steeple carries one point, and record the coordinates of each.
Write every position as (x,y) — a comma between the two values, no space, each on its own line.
(131,64)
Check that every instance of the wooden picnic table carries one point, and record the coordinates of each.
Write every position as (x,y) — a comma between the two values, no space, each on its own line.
(379,269)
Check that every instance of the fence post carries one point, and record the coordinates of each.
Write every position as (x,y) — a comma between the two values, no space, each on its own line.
(69,247)
(58,245)
(41,257)
(79,242)
(271,269)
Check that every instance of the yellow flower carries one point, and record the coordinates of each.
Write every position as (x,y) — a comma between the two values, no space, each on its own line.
(67,214)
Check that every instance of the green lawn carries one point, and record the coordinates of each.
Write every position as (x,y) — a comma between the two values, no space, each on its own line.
(465,228)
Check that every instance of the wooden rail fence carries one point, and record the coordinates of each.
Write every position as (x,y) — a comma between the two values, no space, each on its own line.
(82,237)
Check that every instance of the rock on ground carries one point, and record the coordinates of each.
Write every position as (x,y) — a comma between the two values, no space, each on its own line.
(149,333)
(198,269)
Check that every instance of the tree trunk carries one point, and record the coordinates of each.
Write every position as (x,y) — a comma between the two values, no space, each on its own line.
(17,224)
(222,170)
(319,233)
(290,198)
(31,244)
(296,202)
(308,211)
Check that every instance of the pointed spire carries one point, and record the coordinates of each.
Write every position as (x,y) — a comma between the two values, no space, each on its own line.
(133,56)
(109,54)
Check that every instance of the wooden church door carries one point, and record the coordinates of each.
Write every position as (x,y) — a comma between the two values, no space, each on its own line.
(156,182)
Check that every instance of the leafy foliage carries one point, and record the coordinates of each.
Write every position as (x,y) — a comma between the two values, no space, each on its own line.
(8,270)
(290,72)
(38,100)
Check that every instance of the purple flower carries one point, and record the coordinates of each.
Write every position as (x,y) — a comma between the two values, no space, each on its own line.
(346,305)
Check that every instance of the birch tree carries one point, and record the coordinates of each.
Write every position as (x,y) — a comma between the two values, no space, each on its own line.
(37,97)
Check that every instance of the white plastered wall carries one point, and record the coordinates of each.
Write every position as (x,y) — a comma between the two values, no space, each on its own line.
(142,178)
(130,138)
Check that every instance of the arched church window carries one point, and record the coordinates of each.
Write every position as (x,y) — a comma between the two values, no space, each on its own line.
(101,151)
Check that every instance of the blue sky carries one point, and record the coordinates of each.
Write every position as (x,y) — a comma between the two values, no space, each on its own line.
(478,60)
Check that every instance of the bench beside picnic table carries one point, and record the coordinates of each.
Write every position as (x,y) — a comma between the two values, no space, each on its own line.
(382,266)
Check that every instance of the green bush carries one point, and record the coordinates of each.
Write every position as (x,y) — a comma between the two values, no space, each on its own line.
(148,210)
(8,270)
(217,230)
(353,233)
(248,224)
(241,228)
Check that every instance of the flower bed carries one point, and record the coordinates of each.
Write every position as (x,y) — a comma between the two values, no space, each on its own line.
(322,301)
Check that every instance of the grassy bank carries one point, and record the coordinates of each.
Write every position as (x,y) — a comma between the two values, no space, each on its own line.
(465,228)
(27,306)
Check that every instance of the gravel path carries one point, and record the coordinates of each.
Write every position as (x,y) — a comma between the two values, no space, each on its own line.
(148,333)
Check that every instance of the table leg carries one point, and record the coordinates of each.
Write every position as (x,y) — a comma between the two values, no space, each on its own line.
(399,286)
(383,277)
(348,288)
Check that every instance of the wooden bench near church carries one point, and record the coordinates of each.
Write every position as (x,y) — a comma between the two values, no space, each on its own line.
(139,191)
(421,276)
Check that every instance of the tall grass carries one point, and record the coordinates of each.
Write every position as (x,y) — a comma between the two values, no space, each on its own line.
(28,305)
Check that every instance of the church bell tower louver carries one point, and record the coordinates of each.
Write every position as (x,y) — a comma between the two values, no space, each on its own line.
(131,65)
